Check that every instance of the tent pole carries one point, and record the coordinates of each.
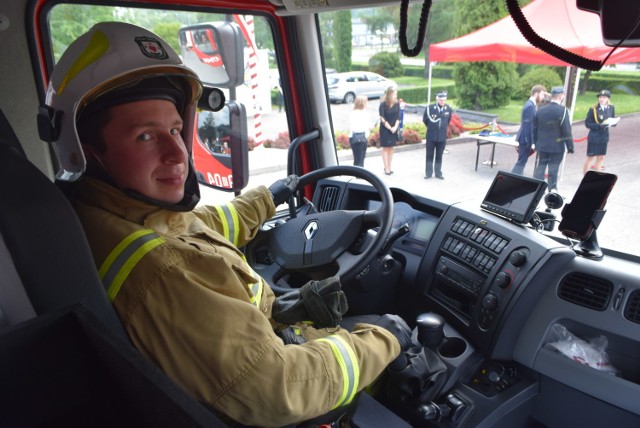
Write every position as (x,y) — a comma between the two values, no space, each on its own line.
(575,94)
(572,106)
(429,86)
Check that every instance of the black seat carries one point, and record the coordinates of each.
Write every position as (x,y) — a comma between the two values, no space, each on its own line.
(65,358)
(45,239)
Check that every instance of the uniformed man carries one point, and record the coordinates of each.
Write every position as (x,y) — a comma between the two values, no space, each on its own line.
(183,291)
(597,121)
(525,133)
(437,117)
(552,134)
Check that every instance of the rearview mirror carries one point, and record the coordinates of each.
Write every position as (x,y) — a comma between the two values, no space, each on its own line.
(220,148)
(215,52)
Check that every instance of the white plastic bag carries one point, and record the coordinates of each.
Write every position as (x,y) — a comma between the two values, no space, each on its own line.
(591,353)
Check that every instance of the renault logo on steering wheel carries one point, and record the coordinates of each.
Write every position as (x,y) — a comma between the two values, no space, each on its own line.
(311,229)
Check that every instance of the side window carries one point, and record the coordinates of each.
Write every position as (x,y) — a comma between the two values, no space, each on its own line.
(257,86)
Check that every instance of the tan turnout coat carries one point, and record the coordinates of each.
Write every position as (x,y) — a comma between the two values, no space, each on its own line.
(191,303)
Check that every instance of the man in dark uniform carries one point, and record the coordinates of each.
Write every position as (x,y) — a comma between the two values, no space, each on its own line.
(437,117)
(552,133)
(525,133)
(598,124)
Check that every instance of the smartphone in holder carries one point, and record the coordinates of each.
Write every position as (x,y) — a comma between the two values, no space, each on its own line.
(583,214)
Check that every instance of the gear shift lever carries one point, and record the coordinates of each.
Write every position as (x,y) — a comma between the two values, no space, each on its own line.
(430,330)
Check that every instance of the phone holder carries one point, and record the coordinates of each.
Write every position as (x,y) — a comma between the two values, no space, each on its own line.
(589,248)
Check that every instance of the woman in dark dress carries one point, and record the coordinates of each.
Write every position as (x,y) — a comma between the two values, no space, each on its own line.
(389,123)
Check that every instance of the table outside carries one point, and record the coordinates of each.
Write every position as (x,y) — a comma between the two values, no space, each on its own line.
(507,140)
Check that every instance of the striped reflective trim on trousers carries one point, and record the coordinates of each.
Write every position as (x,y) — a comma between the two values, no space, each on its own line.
(230,224)
(124,257)
(349,367)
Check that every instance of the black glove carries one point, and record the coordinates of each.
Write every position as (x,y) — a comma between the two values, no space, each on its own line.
(321,302)
(398,327)
(283,189)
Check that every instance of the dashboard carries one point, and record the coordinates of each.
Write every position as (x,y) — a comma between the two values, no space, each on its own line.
(501,286)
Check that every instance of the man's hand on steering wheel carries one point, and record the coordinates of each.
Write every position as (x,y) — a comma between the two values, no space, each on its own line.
(283,189)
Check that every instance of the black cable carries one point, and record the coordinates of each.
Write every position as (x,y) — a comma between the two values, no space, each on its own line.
(552,49)
(422,28)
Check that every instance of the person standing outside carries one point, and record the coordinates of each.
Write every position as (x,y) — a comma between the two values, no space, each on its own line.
(359,128)
(437,117)
(389,122)
(598,138)
(552,133)
(525,133)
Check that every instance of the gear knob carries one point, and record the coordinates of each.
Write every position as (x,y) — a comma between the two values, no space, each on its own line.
(430,329)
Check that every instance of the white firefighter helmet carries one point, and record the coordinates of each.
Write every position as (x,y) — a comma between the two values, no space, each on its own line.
(111,64)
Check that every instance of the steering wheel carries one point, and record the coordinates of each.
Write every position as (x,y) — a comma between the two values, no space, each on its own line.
(313,240)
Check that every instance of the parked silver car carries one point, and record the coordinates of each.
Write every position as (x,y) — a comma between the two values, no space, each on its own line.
(345,87)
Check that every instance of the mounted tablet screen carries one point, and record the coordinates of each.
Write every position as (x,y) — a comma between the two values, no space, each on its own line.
(513,196)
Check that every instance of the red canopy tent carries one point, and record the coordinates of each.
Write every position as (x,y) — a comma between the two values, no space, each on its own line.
(558,21)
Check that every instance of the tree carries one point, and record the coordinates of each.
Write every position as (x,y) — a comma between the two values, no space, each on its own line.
(342,40)
(264,34)
(169,32)
(69,21)
(327,21)
(482,85)
(380,20)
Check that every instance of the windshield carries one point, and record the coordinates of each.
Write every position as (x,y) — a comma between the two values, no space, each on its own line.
(484,97)
(488,98)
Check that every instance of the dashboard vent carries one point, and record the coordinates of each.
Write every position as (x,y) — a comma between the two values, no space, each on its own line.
(329,198)
(586,290)
(632,310)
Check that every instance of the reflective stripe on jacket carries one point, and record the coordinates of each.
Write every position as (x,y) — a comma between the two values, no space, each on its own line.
(190,302)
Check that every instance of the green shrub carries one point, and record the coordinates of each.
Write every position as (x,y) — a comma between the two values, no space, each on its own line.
(374,138)
(359,66)
(342,140)
(251,143)
(387,64)
(537,76)
(482,85)
(282,141)
(414,70)
(418,94)
(442,71)
(619,84)
(418,127)
(410,136)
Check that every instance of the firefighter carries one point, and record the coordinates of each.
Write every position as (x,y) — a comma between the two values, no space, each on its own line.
(121,97)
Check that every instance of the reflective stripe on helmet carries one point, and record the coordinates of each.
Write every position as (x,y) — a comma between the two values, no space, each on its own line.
(348,362)
(97,47)
(123,258)
(230,224)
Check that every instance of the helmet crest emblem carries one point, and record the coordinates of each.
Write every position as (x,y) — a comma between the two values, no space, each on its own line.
(151,47)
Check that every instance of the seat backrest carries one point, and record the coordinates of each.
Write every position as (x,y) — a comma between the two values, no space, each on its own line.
(46,269)
(46,244)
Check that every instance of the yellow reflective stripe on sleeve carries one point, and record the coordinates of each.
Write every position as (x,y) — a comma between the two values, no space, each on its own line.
(256,290)
(230,224)
(348,362)
(123,258)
